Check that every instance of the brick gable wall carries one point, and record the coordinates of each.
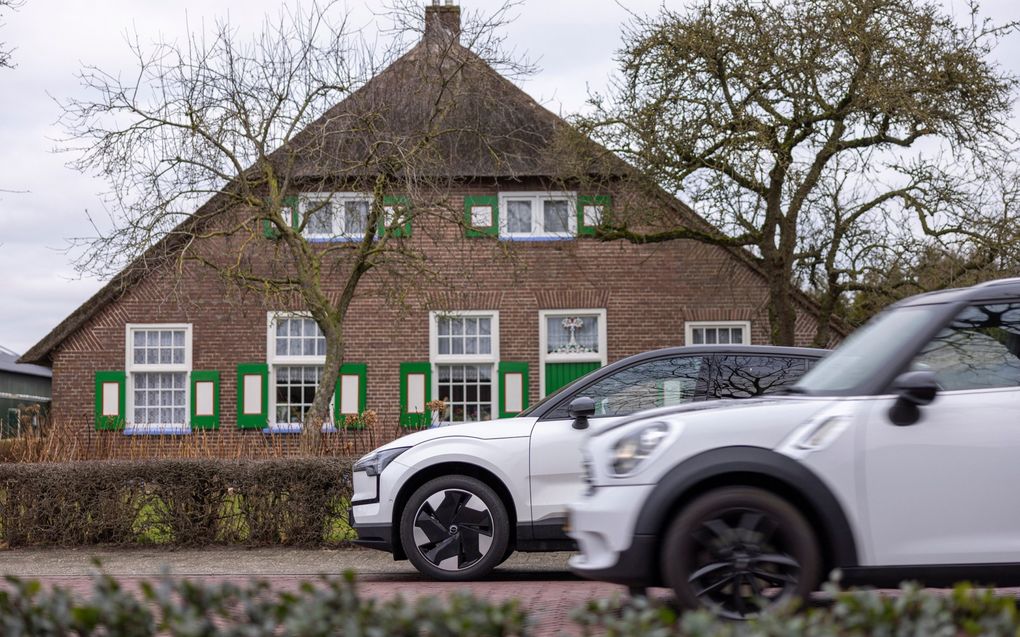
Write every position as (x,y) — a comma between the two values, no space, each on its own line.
(648,291)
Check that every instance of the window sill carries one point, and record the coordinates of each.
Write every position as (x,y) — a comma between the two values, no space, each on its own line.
(157,430)
(294,428)
(333,239)
(536,238)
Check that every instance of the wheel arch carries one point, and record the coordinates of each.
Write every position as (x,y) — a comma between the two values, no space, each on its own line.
(445,469)
(760,468)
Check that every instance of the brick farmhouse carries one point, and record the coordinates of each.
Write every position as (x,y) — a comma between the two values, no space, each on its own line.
(519,300)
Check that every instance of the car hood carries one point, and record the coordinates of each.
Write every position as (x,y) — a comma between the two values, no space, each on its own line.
(484,430)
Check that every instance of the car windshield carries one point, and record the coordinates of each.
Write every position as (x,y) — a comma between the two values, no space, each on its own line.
(867,351)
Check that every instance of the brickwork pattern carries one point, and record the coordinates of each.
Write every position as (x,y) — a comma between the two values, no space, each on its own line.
(648,291)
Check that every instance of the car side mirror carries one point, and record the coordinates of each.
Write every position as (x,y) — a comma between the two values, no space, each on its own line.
(580,409)
(913,390)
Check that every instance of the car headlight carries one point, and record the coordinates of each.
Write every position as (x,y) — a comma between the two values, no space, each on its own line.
(374,463)
(633,449)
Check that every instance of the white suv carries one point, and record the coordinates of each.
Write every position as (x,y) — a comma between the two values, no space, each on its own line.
(897,457)
(457,500)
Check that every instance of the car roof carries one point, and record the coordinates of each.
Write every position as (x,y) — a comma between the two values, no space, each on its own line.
(756,350)
(989,290)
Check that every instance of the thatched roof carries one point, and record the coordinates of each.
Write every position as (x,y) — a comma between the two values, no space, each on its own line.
(474,123)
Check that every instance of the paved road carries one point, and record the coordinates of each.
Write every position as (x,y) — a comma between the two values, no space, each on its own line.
(539,580)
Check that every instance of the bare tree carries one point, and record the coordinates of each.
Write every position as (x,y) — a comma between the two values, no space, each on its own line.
(795,126)
(245,126)
(5,54)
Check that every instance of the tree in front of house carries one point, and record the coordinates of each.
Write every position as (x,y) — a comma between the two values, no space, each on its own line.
(5,54)
(265,132)
(820,134)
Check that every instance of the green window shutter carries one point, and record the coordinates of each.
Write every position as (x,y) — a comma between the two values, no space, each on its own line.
(415,392)
(401,206)
(513,388)
(481,203)
(351,371)
(598,204)
(252,396)
(290,210)
(205,400)
(110,400)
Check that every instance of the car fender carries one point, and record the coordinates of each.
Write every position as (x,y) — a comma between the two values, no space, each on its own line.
(754,464)
(506,459)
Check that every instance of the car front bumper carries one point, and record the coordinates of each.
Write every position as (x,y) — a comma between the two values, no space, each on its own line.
(603,525)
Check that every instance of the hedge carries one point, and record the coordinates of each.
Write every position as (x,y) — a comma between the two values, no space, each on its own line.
(194,609)
(911,611)
(296,502)
(332,606)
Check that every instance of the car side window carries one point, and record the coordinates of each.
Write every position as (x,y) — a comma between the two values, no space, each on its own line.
(746,376)
(979,349)
(656,383)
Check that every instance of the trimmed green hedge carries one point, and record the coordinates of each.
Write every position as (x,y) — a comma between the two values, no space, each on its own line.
(193,609)
(911,611)
(331,606)
(296,502)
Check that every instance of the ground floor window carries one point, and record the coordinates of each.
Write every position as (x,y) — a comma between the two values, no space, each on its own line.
(295,391)
(160,398)
(467,390)
(719,333)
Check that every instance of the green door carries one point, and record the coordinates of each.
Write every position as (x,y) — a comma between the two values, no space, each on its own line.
(559,374)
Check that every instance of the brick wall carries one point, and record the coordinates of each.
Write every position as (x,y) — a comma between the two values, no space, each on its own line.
(648,292)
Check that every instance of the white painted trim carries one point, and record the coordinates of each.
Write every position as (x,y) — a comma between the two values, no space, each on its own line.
(311,198)
(602,357)
(491,358)
(130,367)
(690,325)
(272,361)
(536,198)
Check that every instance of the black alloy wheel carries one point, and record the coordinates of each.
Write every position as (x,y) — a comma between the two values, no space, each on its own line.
(739,551)
(455,528)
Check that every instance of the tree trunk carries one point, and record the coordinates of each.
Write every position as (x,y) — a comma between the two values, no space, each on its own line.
(311,431)
(828,308)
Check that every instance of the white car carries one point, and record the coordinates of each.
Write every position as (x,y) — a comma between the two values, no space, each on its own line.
(897,457)
(458,500)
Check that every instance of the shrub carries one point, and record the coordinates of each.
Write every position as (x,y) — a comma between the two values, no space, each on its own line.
(298,502)
(912,611)
(185,608)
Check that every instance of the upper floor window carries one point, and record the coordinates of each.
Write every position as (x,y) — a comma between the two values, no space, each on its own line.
(531,215)
(718,333)
(336,216)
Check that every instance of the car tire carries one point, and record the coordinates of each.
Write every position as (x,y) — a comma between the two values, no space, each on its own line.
(455,528)
(738,551)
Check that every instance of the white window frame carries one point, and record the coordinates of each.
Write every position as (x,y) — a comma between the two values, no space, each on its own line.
(601,357)
(310,199)
(690,326)
(492,358)
(130,368)
(536,198)
(272,361)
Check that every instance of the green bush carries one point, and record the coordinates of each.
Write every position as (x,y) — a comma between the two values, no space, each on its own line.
(912,611)
(297,502)
(191,609)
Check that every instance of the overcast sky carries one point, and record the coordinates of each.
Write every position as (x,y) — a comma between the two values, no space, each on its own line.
(43,203)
